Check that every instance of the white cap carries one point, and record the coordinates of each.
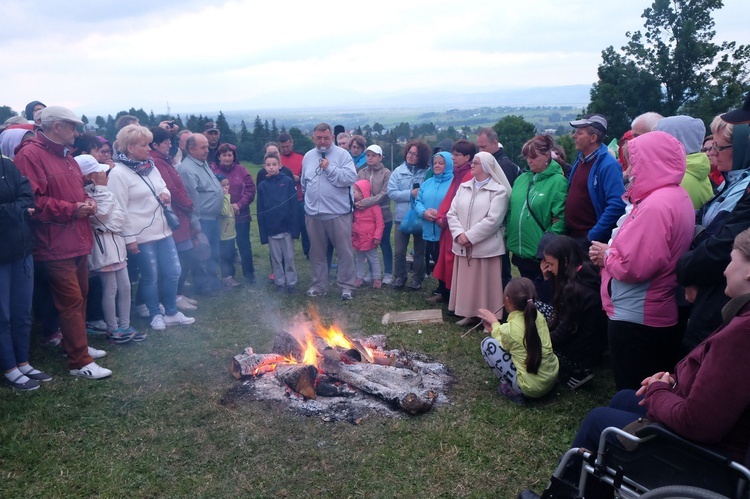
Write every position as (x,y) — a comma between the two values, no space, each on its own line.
(51,114)
(376,149)
(88,164)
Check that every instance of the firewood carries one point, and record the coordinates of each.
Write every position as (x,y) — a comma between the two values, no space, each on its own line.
(298,377)
(254,364)
(401,387)
(285,344)
(416,316)
(328,389)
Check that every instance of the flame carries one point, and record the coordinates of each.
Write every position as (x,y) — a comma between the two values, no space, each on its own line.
(334,337)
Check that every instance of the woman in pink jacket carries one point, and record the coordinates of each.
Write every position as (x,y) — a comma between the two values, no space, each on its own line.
(638,277)
(367,231)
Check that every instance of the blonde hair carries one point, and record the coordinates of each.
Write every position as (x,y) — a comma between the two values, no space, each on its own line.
(721,127)
(742,243)
(131,135)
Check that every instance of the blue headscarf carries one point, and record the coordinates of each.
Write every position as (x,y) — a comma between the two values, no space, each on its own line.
(447,175)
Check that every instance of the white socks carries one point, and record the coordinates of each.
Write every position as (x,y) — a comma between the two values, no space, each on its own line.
(16,376)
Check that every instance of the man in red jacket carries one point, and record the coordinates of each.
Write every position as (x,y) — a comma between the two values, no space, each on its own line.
(62,234)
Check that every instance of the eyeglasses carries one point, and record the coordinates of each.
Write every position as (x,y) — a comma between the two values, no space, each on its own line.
(718,148)
(412,153)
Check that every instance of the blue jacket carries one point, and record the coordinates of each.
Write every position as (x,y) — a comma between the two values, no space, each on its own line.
(605,189)
(400,185)
(277,207)
(430,195)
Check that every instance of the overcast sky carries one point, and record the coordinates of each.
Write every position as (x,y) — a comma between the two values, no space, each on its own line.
(99,57)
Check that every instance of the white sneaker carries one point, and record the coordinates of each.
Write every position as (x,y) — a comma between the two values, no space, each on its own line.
(178,319)
(141,310)
(91,371)
(96,354)
(189,300)
(157,323)
(387,279)
(93,353)
(183,304)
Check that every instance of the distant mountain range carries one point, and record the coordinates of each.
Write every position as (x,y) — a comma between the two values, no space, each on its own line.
(356,109)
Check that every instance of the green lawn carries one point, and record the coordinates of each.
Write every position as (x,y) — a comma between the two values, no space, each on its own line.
(167,423)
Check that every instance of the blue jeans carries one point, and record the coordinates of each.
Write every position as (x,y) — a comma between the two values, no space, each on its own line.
(623,409)
(16,288)
(246,250)
(159,259)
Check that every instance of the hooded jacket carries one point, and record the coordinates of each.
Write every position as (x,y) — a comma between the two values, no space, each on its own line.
(278,208)
(368,224)
(639,279)
(57,184)
(378,177)
(545,192)
(431,194)
(15,199)
(690,132)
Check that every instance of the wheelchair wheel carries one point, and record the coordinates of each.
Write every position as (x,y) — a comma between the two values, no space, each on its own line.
(681,492)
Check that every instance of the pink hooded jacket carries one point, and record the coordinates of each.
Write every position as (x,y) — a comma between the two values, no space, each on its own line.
(368,223)
(638,279)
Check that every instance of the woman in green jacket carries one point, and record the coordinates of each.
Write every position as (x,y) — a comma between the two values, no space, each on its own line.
(537,206)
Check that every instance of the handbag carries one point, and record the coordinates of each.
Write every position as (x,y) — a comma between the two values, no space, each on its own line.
(412,223)
(172,221)
(546,237)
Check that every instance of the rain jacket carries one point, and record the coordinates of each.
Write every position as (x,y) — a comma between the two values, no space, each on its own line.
(639,279)
(57,183)
(400,186)
(378,177)
(368,224)
(696,181)
(431,194)
(546,192)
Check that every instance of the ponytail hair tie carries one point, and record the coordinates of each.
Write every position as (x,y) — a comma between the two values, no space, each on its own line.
(530,300)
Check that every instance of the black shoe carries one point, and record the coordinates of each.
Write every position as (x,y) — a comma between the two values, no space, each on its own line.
(415,285)
(290,290)
(398,283)
(250,278)
(31,384)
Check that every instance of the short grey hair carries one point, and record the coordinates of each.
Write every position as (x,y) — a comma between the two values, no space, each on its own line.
(490,133)
(322,127)
(648,120)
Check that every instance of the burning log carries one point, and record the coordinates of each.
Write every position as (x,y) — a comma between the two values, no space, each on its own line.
(287,345)
(249,363)
(401,387)
(300,378)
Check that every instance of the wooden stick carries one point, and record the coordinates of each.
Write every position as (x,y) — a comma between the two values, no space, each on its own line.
(480,323)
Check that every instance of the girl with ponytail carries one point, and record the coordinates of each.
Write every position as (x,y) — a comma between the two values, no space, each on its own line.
(519,352)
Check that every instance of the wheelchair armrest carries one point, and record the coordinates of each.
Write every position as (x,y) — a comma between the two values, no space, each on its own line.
(662,432)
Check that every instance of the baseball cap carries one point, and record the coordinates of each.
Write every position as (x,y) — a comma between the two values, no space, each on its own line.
(52,114)
(740,115)
(88,164)
(595,120)
(376,149)
(210,126)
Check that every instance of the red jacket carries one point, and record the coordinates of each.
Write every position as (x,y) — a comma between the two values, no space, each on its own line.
(294,163)
(57,184)
(368,224)
(181,202)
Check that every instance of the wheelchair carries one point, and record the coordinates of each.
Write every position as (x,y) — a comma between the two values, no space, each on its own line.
(652,463)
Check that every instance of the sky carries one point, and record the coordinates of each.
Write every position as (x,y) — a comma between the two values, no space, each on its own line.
(185,56)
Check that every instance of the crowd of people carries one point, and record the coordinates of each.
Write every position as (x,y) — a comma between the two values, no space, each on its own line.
(622,253)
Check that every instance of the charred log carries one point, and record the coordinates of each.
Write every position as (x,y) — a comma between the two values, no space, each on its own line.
(254,364)
(328,389)
(285,344)
(300,378)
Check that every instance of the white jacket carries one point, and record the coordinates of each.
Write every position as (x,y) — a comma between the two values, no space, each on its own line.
(480,214)
(109,245)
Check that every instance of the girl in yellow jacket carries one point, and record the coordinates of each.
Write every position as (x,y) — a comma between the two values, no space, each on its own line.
(520,351)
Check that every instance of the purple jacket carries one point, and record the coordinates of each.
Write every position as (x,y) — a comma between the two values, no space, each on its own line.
(241,188)
(639,279)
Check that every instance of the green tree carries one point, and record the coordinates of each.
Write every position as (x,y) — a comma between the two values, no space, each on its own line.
(6,112)
(623,92)
(244,144)
(513,132)
(377,128)
(302,143)
(227,134)
(676,49)
(569,145)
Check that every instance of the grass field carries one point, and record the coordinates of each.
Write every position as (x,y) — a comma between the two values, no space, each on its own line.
(165,424)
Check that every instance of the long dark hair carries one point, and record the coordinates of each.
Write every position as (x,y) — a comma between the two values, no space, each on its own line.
(520,292)
(574,268)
